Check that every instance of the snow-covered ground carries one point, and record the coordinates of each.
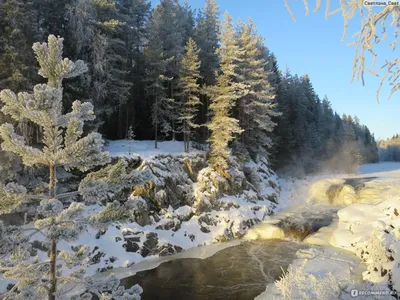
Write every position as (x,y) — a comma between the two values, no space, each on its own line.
(384,169)
(145,149)
(140,247)
(195,207)
(321,272)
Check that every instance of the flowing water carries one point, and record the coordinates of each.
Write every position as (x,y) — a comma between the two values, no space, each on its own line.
(239,272)
(243,271)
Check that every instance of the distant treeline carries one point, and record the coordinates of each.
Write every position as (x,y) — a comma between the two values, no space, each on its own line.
(389,150)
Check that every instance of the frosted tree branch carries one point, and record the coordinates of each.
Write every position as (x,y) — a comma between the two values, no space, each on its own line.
(367,38)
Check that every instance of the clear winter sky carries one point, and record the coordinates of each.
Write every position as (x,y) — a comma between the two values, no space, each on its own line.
(313,45)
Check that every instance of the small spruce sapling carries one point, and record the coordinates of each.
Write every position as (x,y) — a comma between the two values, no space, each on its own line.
(130,136)
(64,145)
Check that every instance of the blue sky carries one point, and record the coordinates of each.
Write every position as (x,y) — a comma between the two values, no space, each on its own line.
(313,45)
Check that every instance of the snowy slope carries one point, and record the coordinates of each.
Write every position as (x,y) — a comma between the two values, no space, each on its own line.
(183,204)
(210,208)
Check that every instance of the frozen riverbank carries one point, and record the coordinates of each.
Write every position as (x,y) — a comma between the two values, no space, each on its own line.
(367,230)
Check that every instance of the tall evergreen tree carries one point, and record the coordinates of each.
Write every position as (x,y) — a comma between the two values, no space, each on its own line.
(134,14)
(18,31)
(188,21)
(207,39)
(256,108)
(166,28)
(190,90)
(110,77)
(223,95)
(167,23)
(206,36)
(155,85)
(80,34)
(98,35)
(17,34)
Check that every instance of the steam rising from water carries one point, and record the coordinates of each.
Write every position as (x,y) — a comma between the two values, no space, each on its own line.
(325,198)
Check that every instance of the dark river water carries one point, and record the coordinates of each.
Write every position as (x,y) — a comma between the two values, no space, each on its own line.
(243,271)
(238,272)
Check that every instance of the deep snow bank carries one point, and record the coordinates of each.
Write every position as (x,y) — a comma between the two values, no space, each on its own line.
(317,273)
(367,230)
(372,232)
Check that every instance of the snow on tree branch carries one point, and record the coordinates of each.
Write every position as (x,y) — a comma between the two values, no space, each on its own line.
(373,31)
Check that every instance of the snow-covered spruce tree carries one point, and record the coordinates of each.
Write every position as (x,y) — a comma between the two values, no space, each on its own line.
(155,79)
(190,87)
(223,98)
(256,108)
(206,36)
(130,135)
(351,148)
(166,44)
(63,146)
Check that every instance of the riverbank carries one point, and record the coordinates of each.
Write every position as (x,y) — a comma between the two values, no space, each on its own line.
(368,231)
(328,264)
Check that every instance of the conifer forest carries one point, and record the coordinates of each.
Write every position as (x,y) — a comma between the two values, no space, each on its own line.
(152,150)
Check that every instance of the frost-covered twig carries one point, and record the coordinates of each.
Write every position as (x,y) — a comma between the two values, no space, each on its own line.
(368,37)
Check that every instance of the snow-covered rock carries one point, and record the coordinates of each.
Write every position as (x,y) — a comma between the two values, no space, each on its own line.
(179,203)
(371,231)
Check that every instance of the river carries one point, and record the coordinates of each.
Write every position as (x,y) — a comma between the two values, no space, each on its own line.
(241,271)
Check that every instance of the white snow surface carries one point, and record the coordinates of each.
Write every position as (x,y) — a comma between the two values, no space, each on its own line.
(145,149)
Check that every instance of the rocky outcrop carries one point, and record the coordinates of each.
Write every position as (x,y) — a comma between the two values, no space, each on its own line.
(182,204)
(165,204)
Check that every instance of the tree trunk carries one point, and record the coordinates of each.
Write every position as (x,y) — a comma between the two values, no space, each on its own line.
(173,118)
(53,277)
(121,121)
(187,133)
(126,121)
(185,140)
(53,248)
(207,119)
(156,122)
(52,182)
(204,113)
(155,141)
